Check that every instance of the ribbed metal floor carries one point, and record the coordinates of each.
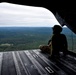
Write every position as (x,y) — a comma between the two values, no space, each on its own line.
(33,62)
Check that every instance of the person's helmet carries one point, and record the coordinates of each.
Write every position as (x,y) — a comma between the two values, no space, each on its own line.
(57,28)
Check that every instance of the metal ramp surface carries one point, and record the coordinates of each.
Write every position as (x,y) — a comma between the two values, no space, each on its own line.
(33,62)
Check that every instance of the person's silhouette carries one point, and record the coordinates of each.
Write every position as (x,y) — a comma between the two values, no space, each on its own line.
(57,44)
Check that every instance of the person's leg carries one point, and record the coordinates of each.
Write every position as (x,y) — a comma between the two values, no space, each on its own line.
(55,54)
(65,52)
(44,48)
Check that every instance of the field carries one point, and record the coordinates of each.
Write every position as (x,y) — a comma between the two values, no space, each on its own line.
(27,38)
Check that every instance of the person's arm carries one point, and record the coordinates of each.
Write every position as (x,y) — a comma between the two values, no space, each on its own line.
(49,41)
(65,43)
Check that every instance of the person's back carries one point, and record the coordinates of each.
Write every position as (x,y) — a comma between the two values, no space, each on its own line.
(59,42)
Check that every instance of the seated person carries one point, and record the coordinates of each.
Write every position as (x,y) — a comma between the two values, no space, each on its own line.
(57,44)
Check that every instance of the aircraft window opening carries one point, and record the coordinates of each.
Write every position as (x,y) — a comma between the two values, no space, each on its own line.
(72,42)
(23,27)
(71,39)
(13,17)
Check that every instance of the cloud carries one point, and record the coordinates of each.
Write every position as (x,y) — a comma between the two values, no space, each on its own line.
(20,15)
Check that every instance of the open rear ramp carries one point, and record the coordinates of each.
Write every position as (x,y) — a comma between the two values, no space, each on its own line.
(33,62)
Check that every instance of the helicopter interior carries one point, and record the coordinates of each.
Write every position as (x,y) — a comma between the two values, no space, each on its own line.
(65,13)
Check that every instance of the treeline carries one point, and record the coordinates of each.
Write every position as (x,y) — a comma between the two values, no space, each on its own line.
(27,38)
(23,38)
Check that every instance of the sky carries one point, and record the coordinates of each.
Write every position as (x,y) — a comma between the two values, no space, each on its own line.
(14,15)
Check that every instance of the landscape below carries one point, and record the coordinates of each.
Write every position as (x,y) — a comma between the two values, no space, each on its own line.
(27,38)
